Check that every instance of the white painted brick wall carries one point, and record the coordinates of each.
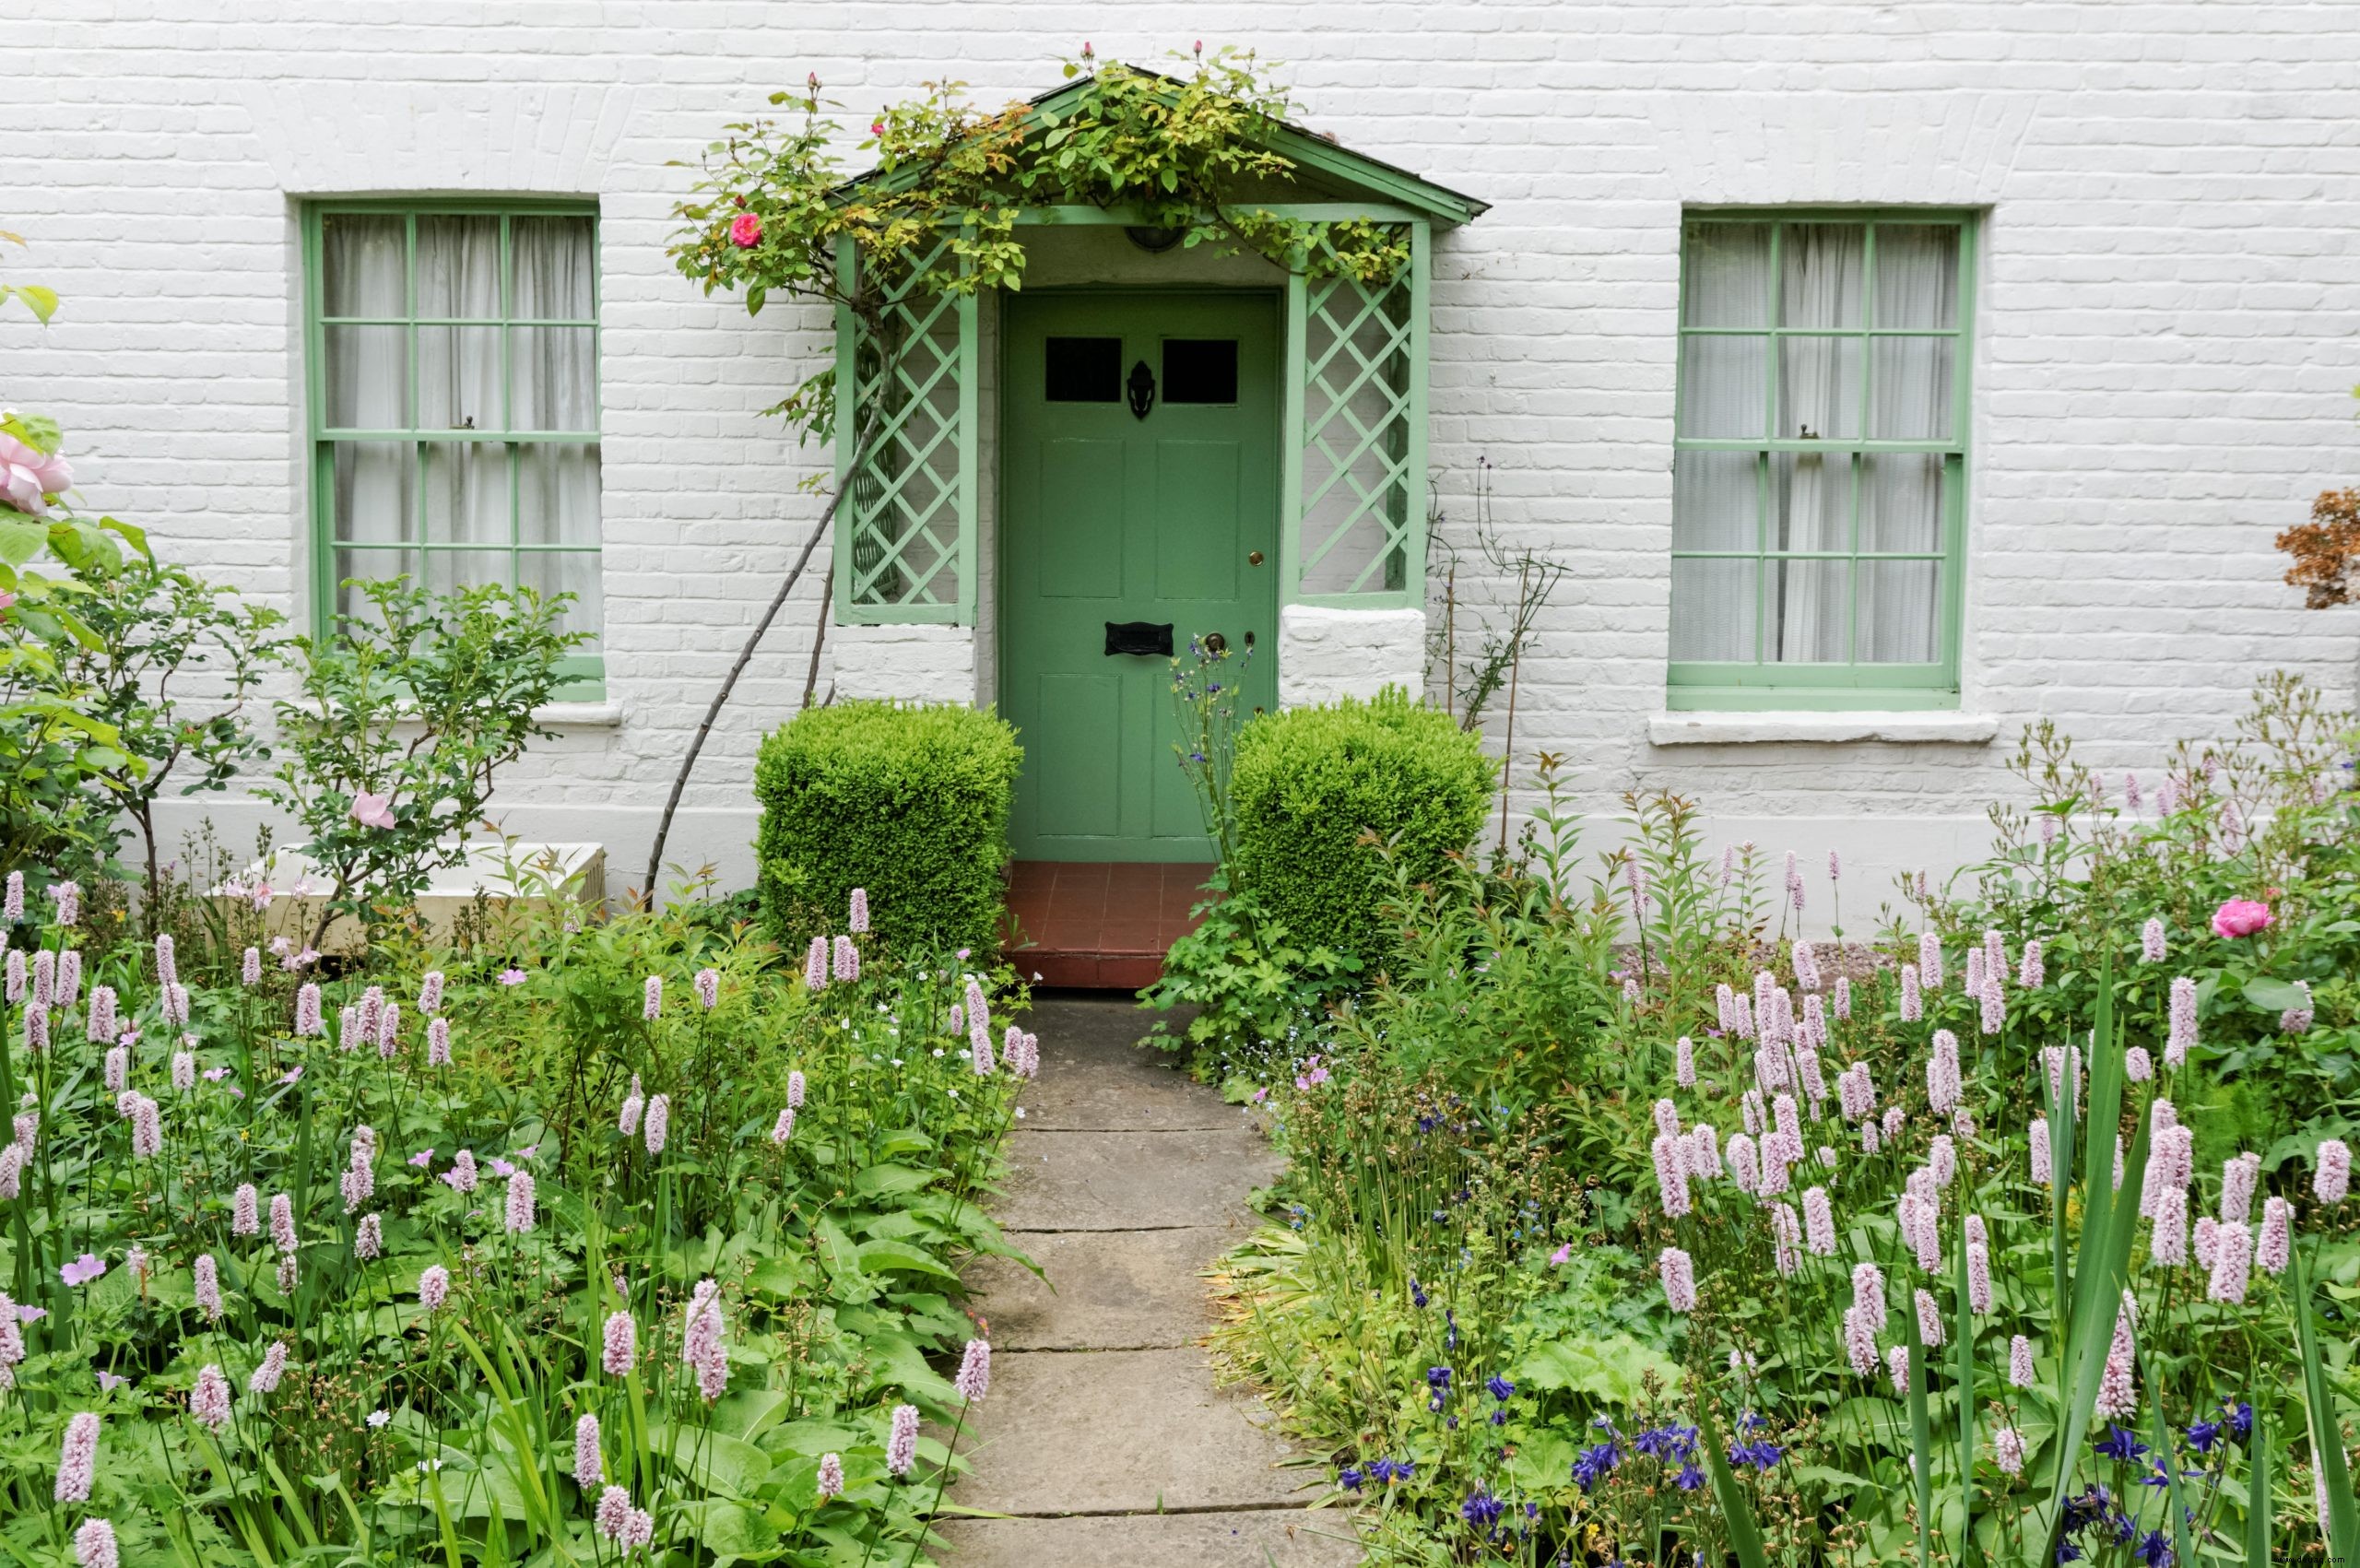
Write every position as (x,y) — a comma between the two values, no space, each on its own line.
(2165,329)
(1325,652)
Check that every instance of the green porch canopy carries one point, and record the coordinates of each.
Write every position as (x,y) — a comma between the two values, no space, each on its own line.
(1353,405)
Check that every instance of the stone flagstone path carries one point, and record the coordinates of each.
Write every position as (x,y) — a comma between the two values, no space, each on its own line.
(1103,1437)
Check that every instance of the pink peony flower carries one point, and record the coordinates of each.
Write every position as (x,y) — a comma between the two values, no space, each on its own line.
(2240,917)
(28,477)
(373,810)
(745,231)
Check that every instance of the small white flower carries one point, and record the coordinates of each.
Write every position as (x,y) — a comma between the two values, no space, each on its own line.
(1020,1112)
(426,1464)
(937,1050)
(379,1418)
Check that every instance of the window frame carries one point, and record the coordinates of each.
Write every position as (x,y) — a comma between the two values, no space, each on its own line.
(583,674)
(1701,685)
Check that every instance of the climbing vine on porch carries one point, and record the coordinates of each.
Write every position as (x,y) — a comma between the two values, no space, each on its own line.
(776,205)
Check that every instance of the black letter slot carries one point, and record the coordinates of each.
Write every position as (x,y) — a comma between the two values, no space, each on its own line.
(1139,637)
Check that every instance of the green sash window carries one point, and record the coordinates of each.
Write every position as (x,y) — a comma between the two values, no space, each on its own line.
(1819,475)
(453,364)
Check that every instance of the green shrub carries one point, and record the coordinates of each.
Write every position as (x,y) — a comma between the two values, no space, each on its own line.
(1309,784)
(909,802)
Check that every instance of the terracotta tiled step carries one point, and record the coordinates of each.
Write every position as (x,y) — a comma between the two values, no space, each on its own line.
(1094,925)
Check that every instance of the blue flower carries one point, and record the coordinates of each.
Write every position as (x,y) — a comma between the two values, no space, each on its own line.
(1499,1418)
(1404,1469)
(2119,1444)
(2067,1552)
(1501,1389)
(1758,1453)
(1380,1469)
(1438,1379)
(1594,1464)
(2203,1435)
(1666,1443)
(2240,1419)
(2154,1550)
(1689,1477)
(1450,1329)
(1417,1294)
(1350,1478)
(1481,1509)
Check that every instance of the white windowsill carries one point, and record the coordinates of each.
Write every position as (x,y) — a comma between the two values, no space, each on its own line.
(581,716)
(1824,728)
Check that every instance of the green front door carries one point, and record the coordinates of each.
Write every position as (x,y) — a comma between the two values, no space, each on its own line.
(1140,438)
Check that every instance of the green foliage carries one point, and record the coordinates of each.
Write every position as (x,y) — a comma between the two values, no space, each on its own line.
(416,705)
(776,205)
(1324,796)
(402,1433)
(908,801)
(1249,989)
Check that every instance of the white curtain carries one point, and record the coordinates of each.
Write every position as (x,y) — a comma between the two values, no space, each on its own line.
(1901,495)
(455,494)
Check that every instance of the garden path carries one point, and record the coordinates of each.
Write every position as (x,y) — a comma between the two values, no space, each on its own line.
(1104,1439)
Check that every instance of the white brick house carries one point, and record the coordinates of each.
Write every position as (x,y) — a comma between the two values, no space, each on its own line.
(2151,274)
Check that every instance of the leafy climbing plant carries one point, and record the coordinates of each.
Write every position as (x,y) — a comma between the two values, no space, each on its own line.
(775,212)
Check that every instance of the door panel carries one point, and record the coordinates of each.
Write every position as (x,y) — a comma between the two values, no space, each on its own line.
(1108,516)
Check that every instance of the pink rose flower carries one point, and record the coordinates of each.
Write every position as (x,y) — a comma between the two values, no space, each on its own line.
(28,478)
(373,810)
(2240,917)
(745,231)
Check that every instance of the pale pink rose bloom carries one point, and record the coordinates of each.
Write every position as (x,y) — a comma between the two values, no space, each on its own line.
(373,810)
(2240,917)
(28,477)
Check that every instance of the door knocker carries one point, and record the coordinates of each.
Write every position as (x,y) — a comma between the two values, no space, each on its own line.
(1142,387)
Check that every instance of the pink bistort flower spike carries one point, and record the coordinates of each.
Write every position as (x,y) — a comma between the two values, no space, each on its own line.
(1683,1071)
(612,1518)
(69,979)
(1672,1176)
(2042,1173)
(209,1402)
(15,990)
(1994,1001)
(100,1023)
(2008,1451)
(1929,961)
(12,903)
(589,1466)
(857,918)
(2232,1263)
(651,999)
(282,1222)
(1860,1343)
(2241,917)
(2020,1370)
(2150,939)
(659,1123)
(2331,1171)
(2296,1019)
(430,992)
(1843,996)
(1896,1366)
(2032,974)
(147,1128)
(1678,1272)
(815,965)
(245,1211)
(1819,1222)
(831,1477)
(45,986)
(389,1030)
(979,1051)
(183,1071)
(94,1544)
(309,1024)
(901,1448)
(619,1352)
(2239,1175)
(438,1043)
(2276,1249)
(2183,1022)
(784,1128)
(1806,964)
(518,1215)
(708,984)
(1979,1279)
(2137,1066)
(273,1367)
(369,1238)
(2202,1237)
(118,1069)
(207,1275)
(2167,1240)
(462,1177)
(1667,1116)
(974,1379)
(627,1120)
(847,961)
(1703,1151)
(1930,1319)
(435,1287)
(77,1458)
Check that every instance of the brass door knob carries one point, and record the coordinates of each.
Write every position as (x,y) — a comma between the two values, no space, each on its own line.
(1253,557)
(1215,642)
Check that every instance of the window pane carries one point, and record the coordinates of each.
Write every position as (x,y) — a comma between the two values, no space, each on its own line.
(1725,273)
(374,501)
(554,268)
(458,267)
(1721,386)
(1084,370)
(466,483)
(1810,502)
(1823,265)
(1808,608)
(1916,274)
(557,494)
(1818,388)
(1901,503)
(1912,401)
(1900,612)
(555,377)
(1712,611)
(1201,370)
(368,377)
(449,570)
(1713,500)
(458,379)
(360,265)
(551,572)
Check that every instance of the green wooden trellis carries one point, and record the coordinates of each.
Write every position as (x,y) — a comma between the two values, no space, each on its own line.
(1353,516)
